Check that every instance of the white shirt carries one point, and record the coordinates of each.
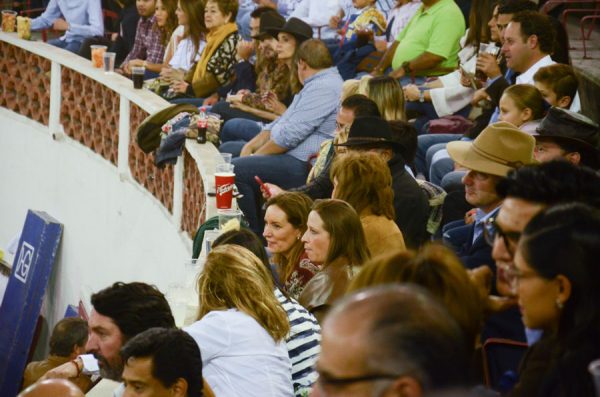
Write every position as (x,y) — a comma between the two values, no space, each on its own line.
(527,77)
(317,13)
(239,357)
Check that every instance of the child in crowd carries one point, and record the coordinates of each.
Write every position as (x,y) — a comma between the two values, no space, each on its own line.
(522,105)
(148,47)
(557,84)
(356,36)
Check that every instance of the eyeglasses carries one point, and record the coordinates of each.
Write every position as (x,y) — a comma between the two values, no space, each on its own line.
(491,230)
(329,383)
(512,276)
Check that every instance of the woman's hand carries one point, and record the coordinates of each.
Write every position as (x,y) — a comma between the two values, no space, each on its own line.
(179,86)
(273,104)
(411,93)
(234,99)
(270,190)
(241,106)
(170,75)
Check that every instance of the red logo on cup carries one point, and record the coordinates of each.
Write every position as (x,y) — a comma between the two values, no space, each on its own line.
(224,187)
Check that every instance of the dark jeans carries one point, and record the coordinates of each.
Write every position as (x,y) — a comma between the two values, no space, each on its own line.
(72,46)
(283,170)
(239,130)
(224,109)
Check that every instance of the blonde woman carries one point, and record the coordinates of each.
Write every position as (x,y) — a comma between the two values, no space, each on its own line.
(372,198)
(241,327)
(385,91)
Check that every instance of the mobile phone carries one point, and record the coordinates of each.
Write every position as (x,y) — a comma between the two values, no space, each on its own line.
(263,187)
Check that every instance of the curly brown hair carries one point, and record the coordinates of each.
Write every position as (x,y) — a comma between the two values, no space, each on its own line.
(364,180)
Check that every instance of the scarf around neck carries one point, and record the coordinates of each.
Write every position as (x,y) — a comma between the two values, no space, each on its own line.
(214,38)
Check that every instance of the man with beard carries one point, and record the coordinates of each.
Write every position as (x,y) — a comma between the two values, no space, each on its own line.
(119,313)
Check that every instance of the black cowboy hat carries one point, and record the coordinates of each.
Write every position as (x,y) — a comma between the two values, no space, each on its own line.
(269,20)
(296,27)
(570,128)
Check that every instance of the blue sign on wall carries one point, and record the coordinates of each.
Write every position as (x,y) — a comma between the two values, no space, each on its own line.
(25,291)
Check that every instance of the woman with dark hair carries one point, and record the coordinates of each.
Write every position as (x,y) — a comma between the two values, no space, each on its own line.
(188,40)
(303,341)
(275,88)
(557,281)
(285,223)
(372,198)
(334,238)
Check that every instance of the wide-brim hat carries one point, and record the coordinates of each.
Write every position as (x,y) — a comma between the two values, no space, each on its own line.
(296,27)
(563,125)
(148,133)
(370,131)
(499,148)
(269,20)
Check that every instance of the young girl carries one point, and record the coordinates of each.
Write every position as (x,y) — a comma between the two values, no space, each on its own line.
(523,106)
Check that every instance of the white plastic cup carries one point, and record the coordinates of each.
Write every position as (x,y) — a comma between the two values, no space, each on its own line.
(226,158)
(109,62)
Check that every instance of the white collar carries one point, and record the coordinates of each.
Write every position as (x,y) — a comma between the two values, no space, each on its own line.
(527,77)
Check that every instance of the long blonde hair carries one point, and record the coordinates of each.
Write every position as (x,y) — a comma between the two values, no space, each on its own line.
(387,93)
(234,278)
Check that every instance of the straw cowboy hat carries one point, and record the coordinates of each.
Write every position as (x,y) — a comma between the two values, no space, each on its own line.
(499,148)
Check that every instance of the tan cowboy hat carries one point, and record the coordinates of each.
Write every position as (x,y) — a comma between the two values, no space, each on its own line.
(499,148)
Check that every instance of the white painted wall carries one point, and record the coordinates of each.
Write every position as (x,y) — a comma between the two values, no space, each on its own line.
(113,230)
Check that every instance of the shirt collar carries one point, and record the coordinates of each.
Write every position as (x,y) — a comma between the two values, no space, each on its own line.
(433,8)
(481,217)
(318,74)
(527,77)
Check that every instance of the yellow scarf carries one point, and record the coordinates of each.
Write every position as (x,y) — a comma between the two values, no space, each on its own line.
(214,39)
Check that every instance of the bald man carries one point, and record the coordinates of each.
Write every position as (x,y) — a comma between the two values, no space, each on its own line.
(52,388)
(394,340)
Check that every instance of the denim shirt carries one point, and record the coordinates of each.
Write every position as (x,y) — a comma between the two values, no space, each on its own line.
(310,119)
(84,18)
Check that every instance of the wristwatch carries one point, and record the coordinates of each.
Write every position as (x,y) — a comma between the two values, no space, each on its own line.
(421,96)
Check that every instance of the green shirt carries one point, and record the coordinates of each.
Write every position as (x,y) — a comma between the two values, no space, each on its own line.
(438,31)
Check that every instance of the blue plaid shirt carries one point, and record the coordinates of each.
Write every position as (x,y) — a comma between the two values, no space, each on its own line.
(310,119)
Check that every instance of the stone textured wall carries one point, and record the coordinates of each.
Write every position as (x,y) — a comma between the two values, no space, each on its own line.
(24,89)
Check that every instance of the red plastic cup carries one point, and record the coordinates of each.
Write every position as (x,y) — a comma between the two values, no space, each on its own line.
(224,187)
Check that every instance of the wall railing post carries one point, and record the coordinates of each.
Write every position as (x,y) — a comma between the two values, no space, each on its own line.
(178,171)
(124,136)
(54,126)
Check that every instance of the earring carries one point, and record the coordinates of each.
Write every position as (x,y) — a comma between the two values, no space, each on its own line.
(559,304)
(298,237)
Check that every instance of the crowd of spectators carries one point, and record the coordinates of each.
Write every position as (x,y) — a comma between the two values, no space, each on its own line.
(431,183)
